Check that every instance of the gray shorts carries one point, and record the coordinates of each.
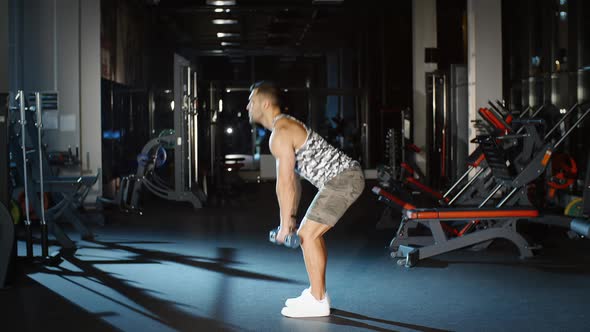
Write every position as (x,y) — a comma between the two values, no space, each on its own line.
(334,198)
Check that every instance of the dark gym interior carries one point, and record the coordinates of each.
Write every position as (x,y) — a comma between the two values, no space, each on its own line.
(136,194)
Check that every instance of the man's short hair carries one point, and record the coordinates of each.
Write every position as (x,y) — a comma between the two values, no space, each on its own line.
(269,90)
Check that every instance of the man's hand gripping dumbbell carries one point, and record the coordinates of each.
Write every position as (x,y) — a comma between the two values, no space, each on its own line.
(286,236)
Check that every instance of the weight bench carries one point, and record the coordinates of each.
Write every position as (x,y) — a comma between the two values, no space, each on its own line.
(453,228)
(497,224)
(479,227)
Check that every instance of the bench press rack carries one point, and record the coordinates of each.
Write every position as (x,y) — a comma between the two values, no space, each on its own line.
(482,224)
(480,183)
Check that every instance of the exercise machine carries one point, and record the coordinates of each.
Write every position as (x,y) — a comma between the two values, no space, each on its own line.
(497,214)
(183,140)
(479,183)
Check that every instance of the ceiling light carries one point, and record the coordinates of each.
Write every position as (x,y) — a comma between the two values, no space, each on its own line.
(228,10)
(227,34)
(219,10)
(229,44)
(224,21)
(221,2)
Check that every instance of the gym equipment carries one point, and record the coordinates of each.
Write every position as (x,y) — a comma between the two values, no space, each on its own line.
(581,224)
(397,144)
(39,125)
(406,184)
(477,187)
(501,127)
(480,225)
(291,241)
(183,140)
(446,116)
(7,236)
(562,174)
(574,208)
(27,220)
(66,193)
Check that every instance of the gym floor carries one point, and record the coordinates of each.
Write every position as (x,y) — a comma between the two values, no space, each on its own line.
(214,270)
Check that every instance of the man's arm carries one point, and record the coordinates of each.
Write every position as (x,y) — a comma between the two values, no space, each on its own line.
(288,188)
(297,195)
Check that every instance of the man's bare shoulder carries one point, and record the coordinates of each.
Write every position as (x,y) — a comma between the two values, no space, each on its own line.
(286,135)
(281,134)
(289,127)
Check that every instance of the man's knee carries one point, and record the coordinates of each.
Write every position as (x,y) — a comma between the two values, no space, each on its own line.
(305,234)
(311,230)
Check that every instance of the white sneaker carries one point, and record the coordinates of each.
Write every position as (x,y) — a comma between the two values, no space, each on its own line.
(301,298)
(307,306)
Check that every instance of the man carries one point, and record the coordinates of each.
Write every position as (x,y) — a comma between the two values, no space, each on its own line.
(339,179)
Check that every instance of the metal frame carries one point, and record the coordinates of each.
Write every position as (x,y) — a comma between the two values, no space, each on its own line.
(186,187)
(68,192)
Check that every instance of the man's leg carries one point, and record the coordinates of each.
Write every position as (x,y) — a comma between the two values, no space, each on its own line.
(328,206)
(315,255)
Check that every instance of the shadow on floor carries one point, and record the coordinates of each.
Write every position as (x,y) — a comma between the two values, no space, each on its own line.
(345,318)
(154,308)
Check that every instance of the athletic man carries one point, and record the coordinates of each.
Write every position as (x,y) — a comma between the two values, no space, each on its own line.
(339,179)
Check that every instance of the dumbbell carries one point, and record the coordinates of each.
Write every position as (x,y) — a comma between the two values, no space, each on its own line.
(291,241)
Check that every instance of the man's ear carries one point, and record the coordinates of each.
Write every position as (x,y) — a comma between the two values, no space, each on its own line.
(265,103)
